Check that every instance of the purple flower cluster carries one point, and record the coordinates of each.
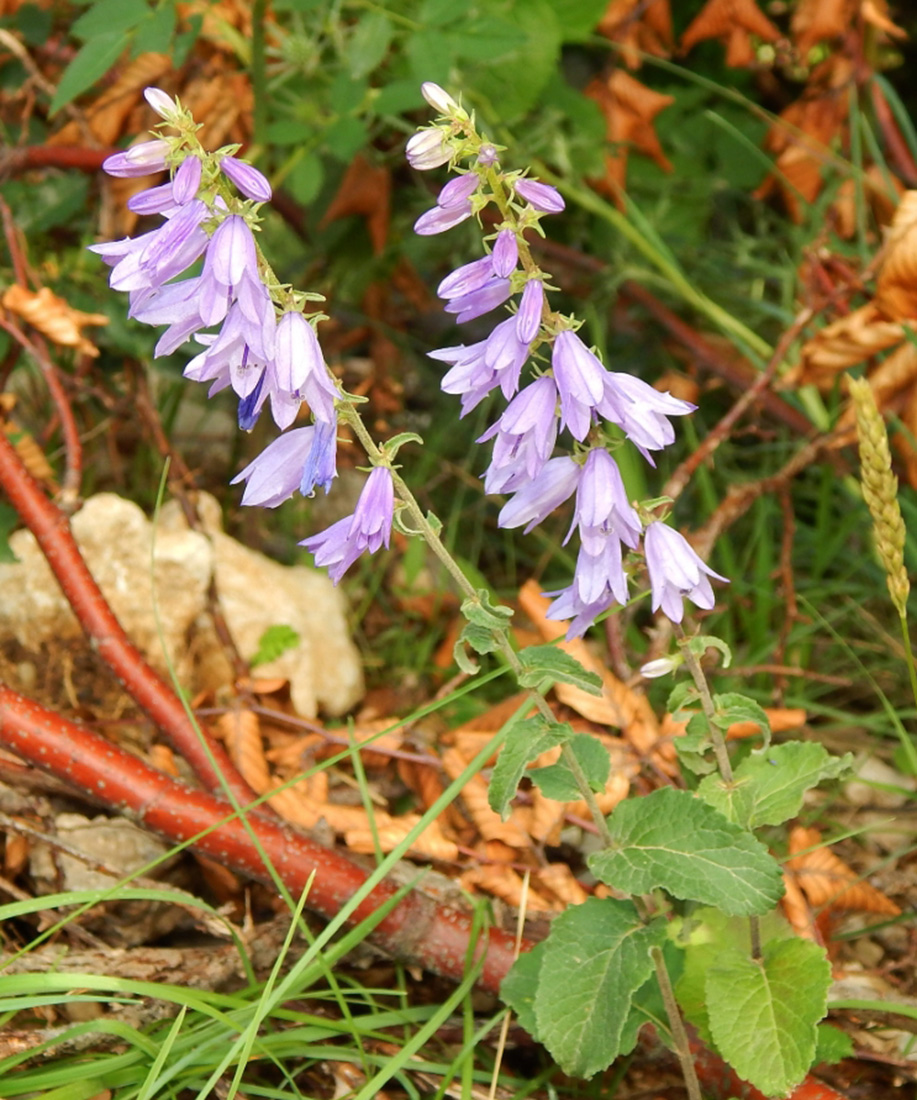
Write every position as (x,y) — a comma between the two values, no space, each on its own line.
(576,393)
(259,344)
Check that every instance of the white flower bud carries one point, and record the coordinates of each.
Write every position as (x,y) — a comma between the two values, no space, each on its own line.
(438,98)
(162,104)
(652,670)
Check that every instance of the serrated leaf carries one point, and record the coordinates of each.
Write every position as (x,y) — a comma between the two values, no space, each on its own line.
(482,612)
(763,1012)
(90,64)
(732,707)
(159,30)
(481,638)
(769,787)
(578,18)
(557,781)
(832,1045)
(704,935)
(596,957)
(548,662)
(702,642)
(672,841)
(519,986)
(524,741)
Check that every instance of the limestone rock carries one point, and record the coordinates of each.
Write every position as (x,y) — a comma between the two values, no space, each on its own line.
(255,593)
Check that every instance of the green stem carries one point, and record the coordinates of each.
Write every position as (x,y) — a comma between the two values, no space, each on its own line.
(906,741)
(700,682)
(676,1023)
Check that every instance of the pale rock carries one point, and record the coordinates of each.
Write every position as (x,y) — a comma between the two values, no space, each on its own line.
(255,593)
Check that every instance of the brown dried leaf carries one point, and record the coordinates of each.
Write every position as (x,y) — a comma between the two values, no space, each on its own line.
(797,910)
(53,317)
(843,343)
(815,20)
(366,191)
(505,883)
(896,286)
(629,109)
(639,26)
(560,881)
(241,733)
(804,133)
(431,843)
(732,21)
(882,203)
(875,12)
(474,796)
(826,879)
(897,372)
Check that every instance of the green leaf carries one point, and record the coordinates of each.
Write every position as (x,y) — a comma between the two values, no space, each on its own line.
(110,17)
(763,1012)
(703,936)
(524,741)
(368,44)
(578,18)
(596,958)
(158,32)
(832,1045)
(519,986)
(732,707)
(556,780)
(769,786)
(673,841)
(273,643)
(482,612)
(513,76)
(548,662)
(90,64)
(700,643)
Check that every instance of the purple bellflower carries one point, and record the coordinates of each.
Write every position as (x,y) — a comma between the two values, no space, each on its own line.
(676,572)
(580,379)
(370,527)
(542,196)
(525,436)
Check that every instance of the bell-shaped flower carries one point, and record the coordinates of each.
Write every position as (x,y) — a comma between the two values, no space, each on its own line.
(428,149)
(230,271)
(534,502)
(479,301)
(641,412)
(602,507)
(525,436)
(368,528)
(580,379)
(466,278)
(676,572)
(598,582)
(299,367)
(528,319)
(505,256)
(276,474)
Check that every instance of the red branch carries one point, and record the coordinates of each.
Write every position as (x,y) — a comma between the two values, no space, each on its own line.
(416,930)
(52,530)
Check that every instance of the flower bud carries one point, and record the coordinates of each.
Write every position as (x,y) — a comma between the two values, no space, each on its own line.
(439,99)
(247,179)
(162,104)
(428,149)
(652,670)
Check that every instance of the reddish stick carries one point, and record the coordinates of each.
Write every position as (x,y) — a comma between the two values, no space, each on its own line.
(416,930)
(52,530)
